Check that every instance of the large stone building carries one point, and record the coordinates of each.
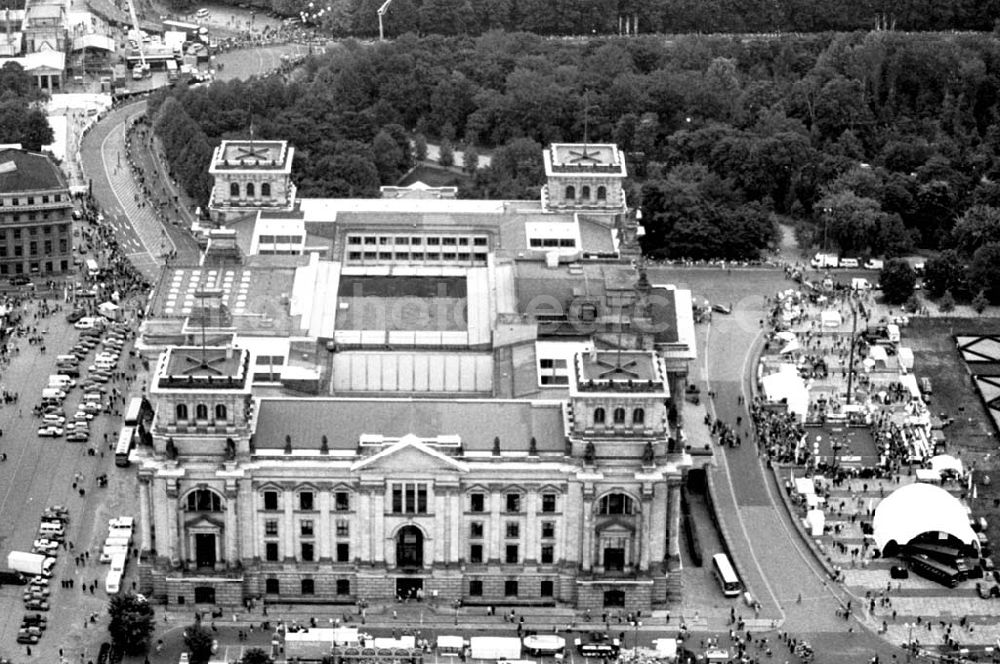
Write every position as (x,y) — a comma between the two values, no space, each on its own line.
(484,409)
(36,216)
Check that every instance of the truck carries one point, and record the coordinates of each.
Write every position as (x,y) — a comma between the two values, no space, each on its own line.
(822,261)
(30,564)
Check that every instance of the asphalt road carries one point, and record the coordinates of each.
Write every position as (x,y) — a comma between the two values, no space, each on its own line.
(40,472)
(777,563)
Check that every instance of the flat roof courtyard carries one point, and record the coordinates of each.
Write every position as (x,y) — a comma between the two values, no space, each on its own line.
(402,303)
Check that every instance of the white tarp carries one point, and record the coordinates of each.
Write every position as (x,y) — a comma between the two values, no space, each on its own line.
(804,486)
(788,385)
(791,347)
(831,318)
(920,508)
(495,647)
(785,336)
(816,520)
(401,642)
(906,358)
(909,381)
(666,648)
(449,644)
(947,462)
(928,475)
(878,354)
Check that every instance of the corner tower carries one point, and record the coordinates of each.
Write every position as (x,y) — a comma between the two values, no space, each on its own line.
(250,176)
(584,177)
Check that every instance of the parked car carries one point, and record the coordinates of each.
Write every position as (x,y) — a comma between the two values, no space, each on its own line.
(79,436)
(50,431)
(19,280)
(24,636)
(75,315)
(36,605)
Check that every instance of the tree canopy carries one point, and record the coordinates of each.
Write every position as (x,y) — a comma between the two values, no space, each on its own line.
(132,622)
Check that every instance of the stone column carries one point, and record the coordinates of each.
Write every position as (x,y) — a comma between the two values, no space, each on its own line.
(250,541)
(170,518)
(232,519)
(323,527)
(378,521)
(531,525)
(494,555)
(363,524)
(440,525)
(288,523)
(644,535)
(673,526)
(454,526)
(145,529)
(587,558)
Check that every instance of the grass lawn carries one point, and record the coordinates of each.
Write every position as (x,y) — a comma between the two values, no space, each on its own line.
(972,434)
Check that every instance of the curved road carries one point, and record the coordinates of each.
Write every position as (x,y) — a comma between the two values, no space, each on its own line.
(777,566)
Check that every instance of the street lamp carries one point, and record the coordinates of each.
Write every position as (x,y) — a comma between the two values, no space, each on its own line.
(457,604)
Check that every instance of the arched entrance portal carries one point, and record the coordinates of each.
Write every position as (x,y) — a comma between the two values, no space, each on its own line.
(409,547)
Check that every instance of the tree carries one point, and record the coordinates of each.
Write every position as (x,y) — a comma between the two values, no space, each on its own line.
(979,303)
(470,159)
(199,643)
(131,624)
(898,280)
(255,656)
(944,272)
(388,157)
(947,303)
(984,272)
(420,147)
(446,154)
(980,225)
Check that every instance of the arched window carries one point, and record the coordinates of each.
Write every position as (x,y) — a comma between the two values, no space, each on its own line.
(251,192)
(201,412)
(204,500)
(616,503)
(570,193)
(585,193)
(602,193)
(638,416)
(598,416)
(265,190)
(234,189)
(182,411)
(619,416)
(220,411)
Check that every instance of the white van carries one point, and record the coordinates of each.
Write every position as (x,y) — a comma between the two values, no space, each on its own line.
(120,533)
(48,528)
(849,262)
(61,381)
(53,394)
(118,562)
(118,539)
(67,359)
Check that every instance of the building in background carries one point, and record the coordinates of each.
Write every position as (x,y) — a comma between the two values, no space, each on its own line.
(36,213)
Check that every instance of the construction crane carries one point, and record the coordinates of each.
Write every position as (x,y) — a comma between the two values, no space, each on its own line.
(143,65)
(381,13)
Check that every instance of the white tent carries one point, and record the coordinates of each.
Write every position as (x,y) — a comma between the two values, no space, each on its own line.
(785,336)
(831,318)
(666,649)
(909,381)
(791,347)
(906,358)
(920,508)
(815,520)
(947,462)
(878,354)
(787,384)
(804,486)
(928,475)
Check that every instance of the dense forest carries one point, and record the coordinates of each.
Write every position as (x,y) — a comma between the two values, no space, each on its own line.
(22,117)
(873,143)
(603,17)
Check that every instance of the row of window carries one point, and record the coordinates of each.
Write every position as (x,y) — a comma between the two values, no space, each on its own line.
(279,239)
(510,588)
(32,231)
(418,240)
(512,554)
(17,217)
(307,552)
(566,242)
(265,190)
(31,200)
(512,529)
(463,257)
(306,586)
(307,528)
(200,411)
(411,498)
(602,193)
(33,248)
(618,416)
(34,267)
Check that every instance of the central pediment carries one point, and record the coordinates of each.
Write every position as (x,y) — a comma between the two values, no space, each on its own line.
(412,455)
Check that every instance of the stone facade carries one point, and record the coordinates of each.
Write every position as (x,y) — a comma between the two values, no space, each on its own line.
(250,176)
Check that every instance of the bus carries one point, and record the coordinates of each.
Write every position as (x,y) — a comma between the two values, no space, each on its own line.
(724,572)
(135,413)
(946,555)
(92,268)
(931,569)
(124,446)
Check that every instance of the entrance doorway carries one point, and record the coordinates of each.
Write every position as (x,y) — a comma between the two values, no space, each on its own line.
(408,587)
(204,595)
(204,549)
(410,547)
(614,598)
(614,559)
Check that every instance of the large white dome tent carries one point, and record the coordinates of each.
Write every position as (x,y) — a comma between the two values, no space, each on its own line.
(916,509)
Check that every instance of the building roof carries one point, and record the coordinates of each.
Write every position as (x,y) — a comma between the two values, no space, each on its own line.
(252,155)
(39,11)
(476,422)
(21,170)
(610,368)
(579,159)
(197,368)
